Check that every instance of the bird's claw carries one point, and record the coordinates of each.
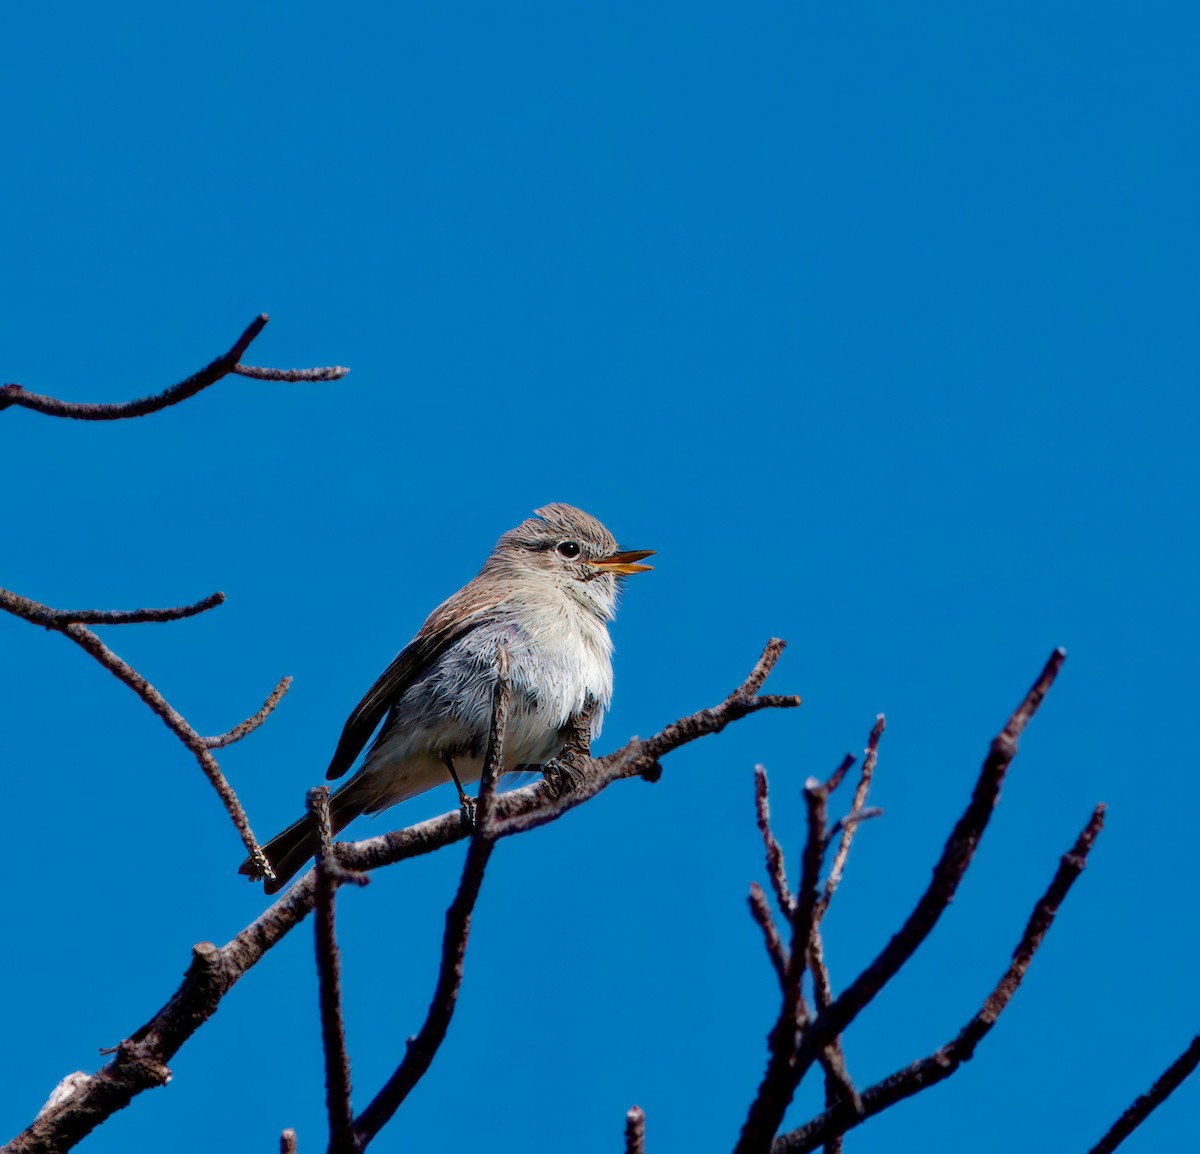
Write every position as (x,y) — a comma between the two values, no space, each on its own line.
(560,776)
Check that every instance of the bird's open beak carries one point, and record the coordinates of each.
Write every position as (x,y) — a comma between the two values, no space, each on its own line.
(623,563)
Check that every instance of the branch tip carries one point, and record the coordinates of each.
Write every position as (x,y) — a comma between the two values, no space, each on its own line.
(635,1131)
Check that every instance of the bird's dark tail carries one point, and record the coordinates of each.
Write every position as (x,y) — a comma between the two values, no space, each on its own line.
(290,850)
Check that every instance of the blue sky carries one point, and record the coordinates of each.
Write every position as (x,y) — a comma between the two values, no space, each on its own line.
(878,324)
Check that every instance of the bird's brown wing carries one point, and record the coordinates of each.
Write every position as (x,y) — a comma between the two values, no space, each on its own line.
(470,607)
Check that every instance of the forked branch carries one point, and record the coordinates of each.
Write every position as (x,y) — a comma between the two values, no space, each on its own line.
(14,395)
(788,1064)
(214,971)
(829,1126)
(69,622)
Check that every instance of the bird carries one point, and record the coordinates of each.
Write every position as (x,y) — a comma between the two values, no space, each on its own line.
(544,596)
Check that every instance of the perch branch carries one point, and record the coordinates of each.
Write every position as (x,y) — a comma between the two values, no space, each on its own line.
(226,363)
(67,622)
(214,971)
(940,1065)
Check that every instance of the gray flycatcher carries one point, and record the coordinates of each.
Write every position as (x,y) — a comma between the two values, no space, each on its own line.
(545,595)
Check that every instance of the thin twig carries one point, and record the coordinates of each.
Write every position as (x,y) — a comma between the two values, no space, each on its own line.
(253,722)
(214,972)
(762,668)
(227,362)
(329,982)
(63,622)
(258,373)
(38,614)
(794,1008)
(853,818)
(425,1044)
(287,1142)
(815,802)
(786,1070)
(136,616)
(807,945)
(940,1065)
(794,1015)
(839,774)
(850,824)
(839,1086)
(1171,1079)
(760,911)
(775,865)
(635,1131)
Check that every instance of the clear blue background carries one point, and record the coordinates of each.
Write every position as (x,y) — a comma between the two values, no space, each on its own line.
(879,324)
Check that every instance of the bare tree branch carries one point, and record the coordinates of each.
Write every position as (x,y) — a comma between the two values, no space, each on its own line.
(854,818)
(1171,1079)
(329,981)
(775,866)
(635,1131)
(66,622)
(40,614)
(940,1065)
(422,1048)
(839,1086)
(287,1142)
(806,934)
(214,972)
(787,1066)
(254,721)
(794,1015)
(777,952)
(226,363)
(849,824)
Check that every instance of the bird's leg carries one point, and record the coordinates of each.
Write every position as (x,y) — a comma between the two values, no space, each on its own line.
(577,741)
(562,772)
(466,803)
(558,775)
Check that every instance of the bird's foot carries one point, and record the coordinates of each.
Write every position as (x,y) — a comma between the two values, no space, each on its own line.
(561,776)
(466,811)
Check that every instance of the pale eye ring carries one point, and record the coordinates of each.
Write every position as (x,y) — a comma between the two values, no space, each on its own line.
(568,549)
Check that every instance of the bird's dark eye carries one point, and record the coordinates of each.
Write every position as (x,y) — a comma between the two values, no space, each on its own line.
(569,549)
